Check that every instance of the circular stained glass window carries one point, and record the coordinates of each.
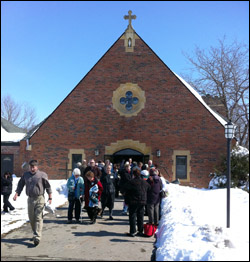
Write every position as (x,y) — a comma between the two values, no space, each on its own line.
(129,100)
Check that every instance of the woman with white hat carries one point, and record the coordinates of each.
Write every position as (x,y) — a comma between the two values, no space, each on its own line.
(75,185)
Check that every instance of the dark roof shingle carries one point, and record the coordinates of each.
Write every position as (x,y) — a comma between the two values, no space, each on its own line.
(11,128)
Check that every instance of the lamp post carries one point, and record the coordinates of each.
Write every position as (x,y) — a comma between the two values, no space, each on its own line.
(229,134)
(158,153)
(96,152)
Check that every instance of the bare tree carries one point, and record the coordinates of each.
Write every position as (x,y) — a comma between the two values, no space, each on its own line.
(21,115)
(223,71)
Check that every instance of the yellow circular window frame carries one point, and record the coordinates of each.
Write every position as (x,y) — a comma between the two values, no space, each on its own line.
(121,92)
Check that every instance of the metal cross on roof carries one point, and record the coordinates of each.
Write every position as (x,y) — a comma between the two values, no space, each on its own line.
(129,17)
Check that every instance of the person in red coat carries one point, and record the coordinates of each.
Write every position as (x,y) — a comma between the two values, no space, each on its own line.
(91,181)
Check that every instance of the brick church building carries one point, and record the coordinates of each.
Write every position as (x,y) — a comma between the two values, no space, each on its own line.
(130,104)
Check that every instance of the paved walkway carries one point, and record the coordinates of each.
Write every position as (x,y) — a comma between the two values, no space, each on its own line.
(104,241)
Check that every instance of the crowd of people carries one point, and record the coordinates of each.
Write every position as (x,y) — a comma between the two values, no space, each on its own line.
(139,184)
(93,187)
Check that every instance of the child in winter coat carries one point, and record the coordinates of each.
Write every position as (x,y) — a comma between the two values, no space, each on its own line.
(93,191)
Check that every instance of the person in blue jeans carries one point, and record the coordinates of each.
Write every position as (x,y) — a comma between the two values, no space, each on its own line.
(75,185)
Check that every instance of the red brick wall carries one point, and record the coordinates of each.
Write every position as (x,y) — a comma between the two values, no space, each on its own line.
(13,150)
(173,119)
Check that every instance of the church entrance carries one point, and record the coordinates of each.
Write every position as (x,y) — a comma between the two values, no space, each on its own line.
(124,155)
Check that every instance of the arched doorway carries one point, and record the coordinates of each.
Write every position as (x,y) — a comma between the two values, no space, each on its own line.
(128,148)
(127,153)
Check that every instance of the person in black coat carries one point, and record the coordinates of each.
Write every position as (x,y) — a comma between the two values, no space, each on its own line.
(6,190)
(153,198)
(93,168)
(125,177)
(136,192)
(108,193)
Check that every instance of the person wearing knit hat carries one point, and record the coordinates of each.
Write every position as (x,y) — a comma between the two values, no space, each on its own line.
(75,185)
(144,172)
(136,190)
(76,172)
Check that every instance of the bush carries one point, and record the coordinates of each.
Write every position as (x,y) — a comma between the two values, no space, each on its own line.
(218,181)
(239,168)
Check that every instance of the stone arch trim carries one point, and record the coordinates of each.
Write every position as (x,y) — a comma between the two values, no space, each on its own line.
(128,143)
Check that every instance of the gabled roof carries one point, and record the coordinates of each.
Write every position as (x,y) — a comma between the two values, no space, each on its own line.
(10,132)
(33,130)
(198,96)
(11,128)
(189,87)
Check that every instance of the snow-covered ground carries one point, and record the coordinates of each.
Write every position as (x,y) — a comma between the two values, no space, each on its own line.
(192,228)
(19,216)
(193,225)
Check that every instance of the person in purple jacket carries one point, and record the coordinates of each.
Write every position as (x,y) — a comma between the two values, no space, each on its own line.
(153,197)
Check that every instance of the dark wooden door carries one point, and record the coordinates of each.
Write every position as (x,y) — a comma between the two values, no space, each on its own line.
(7,163)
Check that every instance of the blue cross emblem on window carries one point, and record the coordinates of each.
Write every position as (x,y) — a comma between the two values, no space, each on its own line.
(129,100)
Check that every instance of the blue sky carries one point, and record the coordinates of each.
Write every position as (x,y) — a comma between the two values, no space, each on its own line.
(48,47)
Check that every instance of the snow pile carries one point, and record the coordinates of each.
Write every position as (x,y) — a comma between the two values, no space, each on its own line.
(193,226)
(11,137)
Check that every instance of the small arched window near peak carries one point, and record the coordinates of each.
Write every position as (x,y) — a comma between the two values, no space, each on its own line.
(129,42)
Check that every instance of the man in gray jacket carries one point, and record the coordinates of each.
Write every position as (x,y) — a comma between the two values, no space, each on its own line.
(36,183)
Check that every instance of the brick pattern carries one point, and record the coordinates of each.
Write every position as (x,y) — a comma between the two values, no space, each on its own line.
(13,150)
(172,119)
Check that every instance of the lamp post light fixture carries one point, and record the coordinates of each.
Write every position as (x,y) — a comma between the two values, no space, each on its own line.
(229,134)
(96,152)
(158,153)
